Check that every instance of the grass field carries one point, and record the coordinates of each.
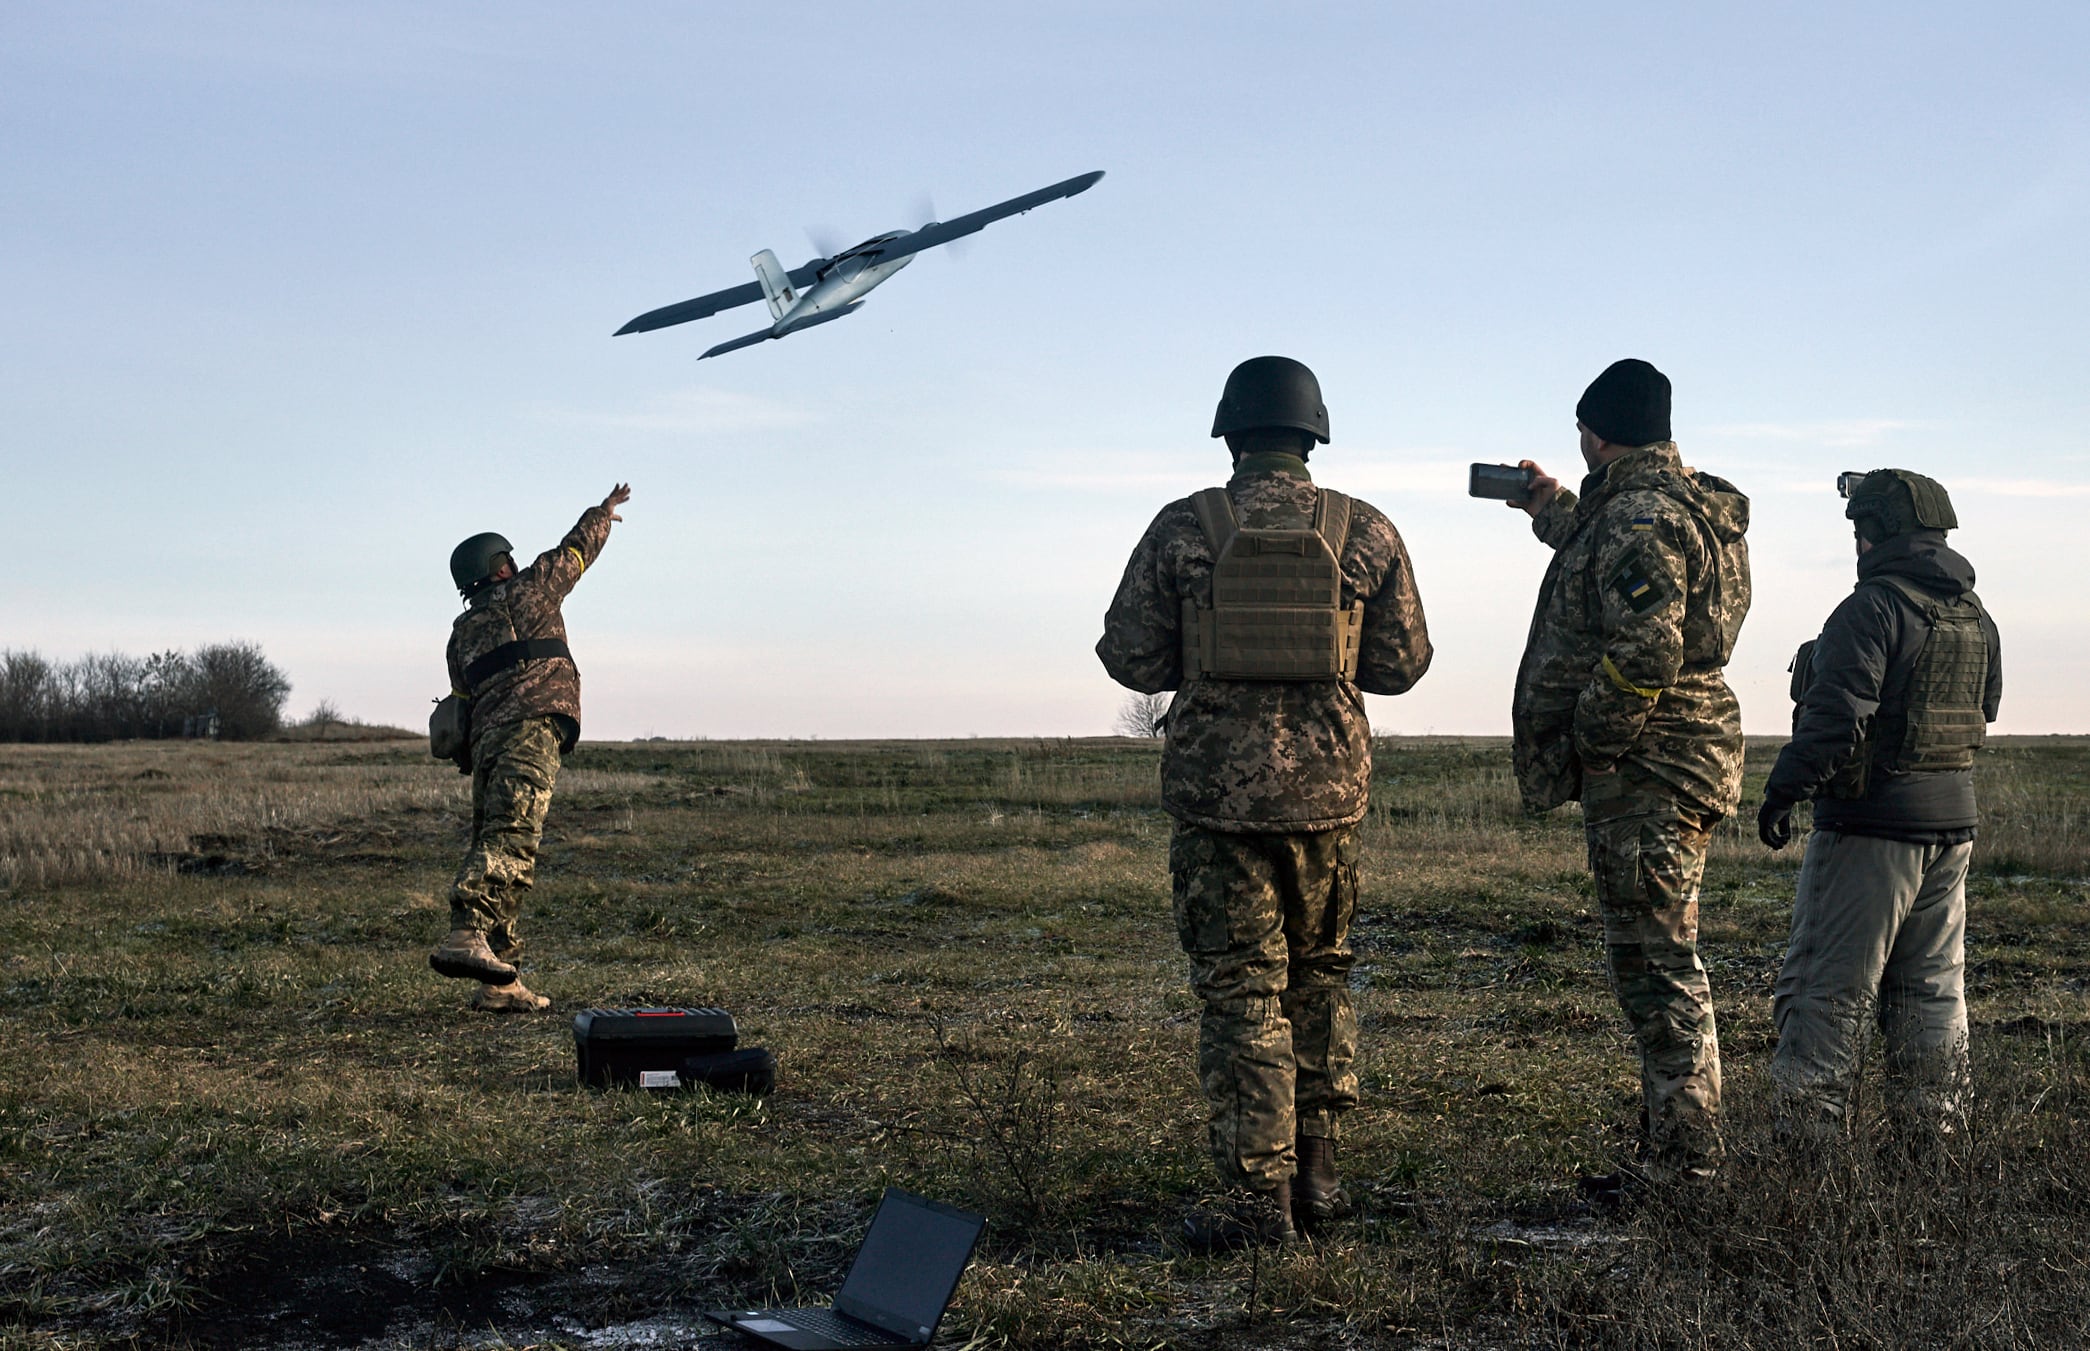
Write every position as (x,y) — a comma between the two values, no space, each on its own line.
(236,1109)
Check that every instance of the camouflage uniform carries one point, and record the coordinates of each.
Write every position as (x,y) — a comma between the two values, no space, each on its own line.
(1622,704)
(523,720)
(1267,781)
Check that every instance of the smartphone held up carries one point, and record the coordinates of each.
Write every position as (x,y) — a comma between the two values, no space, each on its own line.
(1501,482)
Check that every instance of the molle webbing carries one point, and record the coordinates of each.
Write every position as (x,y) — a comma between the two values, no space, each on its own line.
(1277,611)
(1942,723)
(513,654)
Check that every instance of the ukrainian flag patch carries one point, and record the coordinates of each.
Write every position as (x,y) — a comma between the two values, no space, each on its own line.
(1643,525)
(1640,591)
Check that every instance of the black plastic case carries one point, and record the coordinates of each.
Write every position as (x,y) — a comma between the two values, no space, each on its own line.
(646,1048)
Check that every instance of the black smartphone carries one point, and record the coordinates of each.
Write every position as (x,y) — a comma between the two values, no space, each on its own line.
(1504,482)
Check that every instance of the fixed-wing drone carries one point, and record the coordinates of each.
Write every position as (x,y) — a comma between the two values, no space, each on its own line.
(825,289)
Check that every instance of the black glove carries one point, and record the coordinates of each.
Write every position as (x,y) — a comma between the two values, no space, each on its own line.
(1774,822)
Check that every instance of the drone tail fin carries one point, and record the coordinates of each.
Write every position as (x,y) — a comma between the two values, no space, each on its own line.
(776,284)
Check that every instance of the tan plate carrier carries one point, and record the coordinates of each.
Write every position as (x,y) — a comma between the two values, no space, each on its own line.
(1277,598)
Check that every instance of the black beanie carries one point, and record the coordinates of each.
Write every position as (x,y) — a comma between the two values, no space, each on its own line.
(1628,405)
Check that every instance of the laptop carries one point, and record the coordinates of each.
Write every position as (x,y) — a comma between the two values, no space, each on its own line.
(897,1289)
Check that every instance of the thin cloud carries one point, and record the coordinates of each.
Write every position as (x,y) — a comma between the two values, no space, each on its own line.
(2022,487)
(1840,433)
(1095,481)
(689,413)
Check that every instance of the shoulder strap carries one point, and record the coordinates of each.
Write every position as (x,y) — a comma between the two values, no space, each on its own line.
(513,654)
(1332,520)
(1215,512)
(1923,598)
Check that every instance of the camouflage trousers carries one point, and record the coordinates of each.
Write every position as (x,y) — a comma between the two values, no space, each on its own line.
(514,766)
(1879,933)
(1265,921)
(1647,854)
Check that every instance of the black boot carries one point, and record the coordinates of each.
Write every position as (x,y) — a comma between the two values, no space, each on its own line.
(1318,1197)
(1247,1218)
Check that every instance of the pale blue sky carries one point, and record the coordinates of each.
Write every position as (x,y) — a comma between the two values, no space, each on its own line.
(299,295)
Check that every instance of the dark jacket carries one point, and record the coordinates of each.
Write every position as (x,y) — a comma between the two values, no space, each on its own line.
(1863,659)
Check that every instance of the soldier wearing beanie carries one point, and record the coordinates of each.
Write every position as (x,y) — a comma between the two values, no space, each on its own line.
(1621,705)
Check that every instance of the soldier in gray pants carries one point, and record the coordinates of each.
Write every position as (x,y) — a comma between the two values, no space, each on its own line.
(1892,701)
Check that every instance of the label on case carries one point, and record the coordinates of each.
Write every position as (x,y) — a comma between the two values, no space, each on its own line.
(659,1079)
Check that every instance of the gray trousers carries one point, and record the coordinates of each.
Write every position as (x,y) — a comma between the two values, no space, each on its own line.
(1878,936)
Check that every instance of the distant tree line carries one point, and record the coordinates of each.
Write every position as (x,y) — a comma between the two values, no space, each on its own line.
(228,690)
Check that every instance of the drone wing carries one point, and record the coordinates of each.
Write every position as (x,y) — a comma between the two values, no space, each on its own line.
(943,232)
(703,307)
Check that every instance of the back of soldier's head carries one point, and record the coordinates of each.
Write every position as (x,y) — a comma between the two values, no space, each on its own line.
(474,562)
(1268,403)
(1889,503)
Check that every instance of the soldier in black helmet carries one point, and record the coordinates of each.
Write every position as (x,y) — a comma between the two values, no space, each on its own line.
(1892,699)
(1269,606)
(509,662)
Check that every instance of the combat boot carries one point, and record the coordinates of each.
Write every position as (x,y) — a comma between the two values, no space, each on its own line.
(465,956)
(513,997)
(1247,1218)
(1317,1192)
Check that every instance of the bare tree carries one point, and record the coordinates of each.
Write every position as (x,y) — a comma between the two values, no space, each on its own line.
(1143,715)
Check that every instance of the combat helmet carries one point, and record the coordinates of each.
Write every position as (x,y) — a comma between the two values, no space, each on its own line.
(473,561)
(1271,392)
(1888,503)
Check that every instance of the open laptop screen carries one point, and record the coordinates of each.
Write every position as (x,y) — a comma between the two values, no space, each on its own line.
(909,1264)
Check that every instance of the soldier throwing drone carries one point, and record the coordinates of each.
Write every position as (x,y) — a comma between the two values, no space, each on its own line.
(514,678)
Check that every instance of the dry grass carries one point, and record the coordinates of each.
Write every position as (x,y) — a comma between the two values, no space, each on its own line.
(236,1109)
(91,813)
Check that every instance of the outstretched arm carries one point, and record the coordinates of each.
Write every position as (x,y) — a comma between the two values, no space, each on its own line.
(562,566)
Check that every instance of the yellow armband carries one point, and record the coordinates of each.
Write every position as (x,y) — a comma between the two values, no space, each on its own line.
(1618,678)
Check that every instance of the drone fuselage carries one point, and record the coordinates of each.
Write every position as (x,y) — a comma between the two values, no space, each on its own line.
(845,281)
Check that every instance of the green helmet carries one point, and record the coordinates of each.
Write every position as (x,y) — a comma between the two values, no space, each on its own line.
(1271,392)
(1888,503)
(473,561)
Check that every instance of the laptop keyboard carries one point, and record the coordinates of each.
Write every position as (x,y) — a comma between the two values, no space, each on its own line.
(828,1323)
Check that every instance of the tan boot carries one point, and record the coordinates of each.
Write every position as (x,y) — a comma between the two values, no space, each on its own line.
(1249,1218)
(513,997)
(465,956)
(1317,1193)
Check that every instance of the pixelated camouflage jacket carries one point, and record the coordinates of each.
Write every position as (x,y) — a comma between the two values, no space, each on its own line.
(1257,755)
(527,606)
(1637,615)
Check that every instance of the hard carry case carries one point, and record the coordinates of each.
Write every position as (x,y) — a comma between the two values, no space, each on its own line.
(751,1069)
(646,1048)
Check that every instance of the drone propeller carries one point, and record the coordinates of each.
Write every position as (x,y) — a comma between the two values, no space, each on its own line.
(925,212)
(825,239)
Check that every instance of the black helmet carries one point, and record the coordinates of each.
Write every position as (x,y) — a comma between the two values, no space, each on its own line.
(1271,392)
(1891,502)
(472,562)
